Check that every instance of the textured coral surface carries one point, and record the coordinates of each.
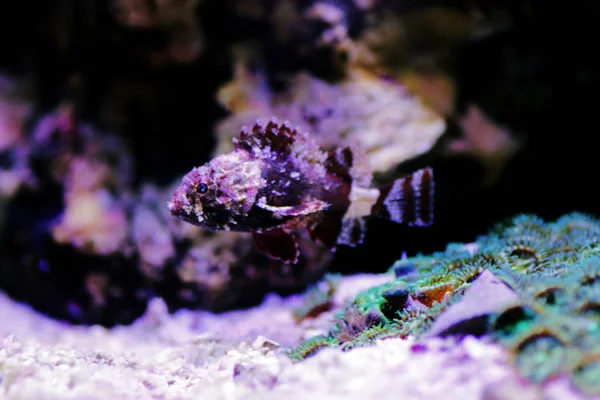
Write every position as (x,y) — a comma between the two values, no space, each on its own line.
(529,285)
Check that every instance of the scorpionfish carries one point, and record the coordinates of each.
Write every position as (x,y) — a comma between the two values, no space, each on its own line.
(278,181)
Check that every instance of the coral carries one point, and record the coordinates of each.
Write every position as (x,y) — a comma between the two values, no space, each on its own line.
(585,375)
(66,247)
(370,335)
(90,171)
(352,322)
(366,110)
(553,271)
(311,347)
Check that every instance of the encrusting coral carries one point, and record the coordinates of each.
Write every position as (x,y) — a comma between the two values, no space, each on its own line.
(552,270)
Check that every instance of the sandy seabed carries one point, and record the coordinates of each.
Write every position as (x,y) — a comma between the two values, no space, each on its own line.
(240,355)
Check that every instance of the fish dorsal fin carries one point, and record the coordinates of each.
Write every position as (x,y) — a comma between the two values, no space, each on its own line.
(278,244)
(328,228)
(339,162)
(277,138)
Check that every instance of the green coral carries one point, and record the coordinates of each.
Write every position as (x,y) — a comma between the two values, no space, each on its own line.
(585,376)
(311,346)
(554,268)
(371,334)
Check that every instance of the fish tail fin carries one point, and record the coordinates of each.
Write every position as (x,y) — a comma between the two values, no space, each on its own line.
(408,200)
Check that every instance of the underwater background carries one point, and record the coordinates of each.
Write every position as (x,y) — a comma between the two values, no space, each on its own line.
(106,104)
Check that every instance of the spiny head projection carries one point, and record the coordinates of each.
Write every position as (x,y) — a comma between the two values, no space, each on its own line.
(211,196)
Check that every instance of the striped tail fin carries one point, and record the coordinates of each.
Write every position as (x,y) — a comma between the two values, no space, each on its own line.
(408,200)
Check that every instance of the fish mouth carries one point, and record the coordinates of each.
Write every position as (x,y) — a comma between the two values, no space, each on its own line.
(172,207)
(178,211)
(175,209)
(186,217)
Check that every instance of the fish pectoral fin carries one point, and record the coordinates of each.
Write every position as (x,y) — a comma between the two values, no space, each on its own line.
(327,230)
(278,244)
(306,208)
(332,231)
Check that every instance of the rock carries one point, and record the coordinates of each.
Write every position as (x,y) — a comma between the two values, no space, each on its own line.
(485,296)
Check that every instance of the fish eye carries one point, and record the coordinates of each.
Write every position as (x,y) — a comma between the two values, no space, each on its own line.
(201,188)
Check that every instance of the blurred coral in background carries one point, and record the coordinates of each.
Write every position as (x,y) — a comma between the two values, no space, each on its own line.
(104,105)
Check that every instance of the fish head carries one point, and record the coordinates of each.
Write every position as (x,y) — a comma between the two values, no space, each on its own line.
(219,194)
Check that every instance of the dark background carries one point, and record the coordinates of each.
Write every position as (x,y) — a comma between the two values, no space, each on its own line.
(538,78)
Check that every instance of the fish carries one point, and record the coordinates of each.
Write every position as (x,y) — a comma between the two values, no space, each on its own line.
(278,182)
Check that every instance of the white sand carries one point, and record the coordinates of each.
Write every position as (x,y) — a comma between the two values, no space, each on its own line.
(199,355)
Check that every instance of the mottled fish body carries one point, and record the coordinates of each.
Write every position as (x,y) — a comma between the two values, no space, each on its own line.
(277,181)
